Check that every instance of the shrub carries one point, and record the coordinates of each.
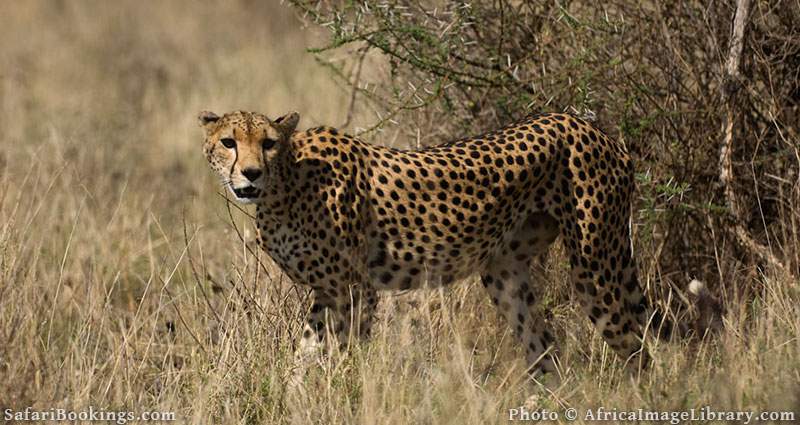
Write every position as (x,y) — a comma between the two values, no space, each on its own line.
(651,74)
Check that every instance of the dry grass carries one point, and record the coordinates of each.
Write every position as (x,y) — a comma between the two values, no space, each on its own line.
(123,284)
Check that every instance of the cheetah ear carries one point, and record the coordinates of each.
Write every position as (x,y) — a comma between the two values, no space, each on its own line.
(207,120)
(287,123)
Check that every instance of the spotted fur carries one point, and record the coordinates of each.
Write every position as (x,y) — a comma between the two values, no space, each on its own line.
(349,219)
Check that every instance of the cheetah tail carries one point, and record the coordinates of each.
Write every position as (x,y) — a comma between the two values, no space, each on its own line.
(704,316)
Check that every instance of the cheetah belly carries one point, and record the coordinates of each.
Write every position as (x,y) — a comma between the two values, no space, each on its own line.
(403,262)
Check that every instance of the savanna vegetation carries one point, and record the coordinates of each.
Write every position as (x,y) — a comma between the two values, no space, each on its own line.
(129,282)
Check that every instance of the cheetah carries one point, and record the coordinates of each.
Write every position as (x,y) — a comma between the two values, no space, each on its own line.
(350,219)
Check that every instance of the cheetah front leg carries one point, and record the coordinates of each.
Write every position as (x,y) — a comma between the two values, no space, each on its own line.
(323,317)
(358,308)
(336,320)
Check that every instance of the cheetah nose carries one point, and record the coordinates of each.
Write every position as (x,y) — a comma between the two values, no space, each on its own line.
(252,174)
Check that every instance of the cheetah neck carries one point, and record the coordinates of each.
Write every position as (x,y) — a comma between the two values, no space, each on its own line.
(275,205)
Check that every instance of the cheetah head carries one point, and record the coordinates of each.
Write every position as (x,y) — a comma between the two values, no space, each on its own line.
(246,149)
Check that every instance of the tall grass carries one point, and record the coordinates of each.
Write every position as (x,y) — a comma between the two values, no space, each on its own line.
(128,283)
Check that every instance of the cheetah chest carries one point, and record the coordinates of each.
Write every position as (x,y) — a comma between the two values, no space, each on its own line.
(287,247)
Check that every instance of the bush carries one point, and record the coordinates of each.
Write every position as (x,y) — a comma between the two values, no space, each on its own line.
(651,74)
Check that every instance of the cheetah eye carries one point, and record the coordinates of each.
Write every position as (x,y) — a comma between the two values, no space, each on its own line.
(268,143)
(228,142)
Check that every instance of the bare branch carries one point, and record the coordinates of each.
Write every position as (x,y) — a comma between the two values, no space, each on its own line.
(730,88)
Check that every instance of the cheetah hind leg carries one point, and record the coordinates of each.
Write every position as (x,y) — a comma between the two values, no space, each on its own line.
(605,280)
(509,278)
